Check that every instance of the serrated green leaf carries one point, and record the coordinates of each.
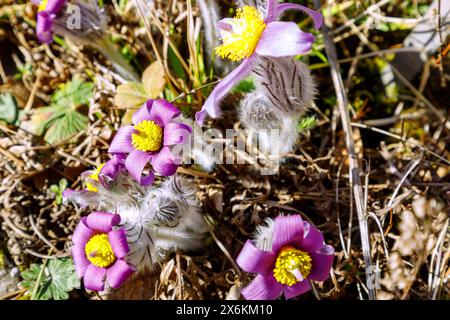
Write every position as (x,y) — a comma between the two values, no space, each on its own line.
(8,108)
(62,128)
(73,94)
(58,279)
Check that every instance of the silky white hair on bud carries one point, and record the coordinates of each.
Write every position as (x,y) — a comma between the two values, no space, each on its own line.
(200,148)
(287,83)
(263,235)
(167,220)
(259,117)
(124,190)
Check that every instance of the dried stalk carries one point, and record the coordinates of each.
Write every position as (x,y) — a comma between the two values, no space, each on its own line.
(354,170)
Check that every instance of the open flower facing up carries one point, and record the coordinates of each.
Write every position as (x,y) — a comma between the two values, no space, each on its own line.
(99,251)
(288,253)
(253,33)
(150,139)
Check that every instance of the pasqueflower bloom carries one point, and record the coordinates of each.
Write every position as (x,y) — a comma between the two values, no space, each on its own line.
(288,253)
(99,251)
(249,35)
(151,139)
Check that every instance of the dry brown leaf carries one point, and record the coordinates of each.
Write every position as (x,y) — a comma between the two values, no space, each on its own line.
(153,80)
(130,95)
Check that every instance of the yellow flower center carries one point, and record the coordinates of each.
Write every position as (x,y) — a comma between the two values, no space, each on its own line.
(43,5)
(247,28)
(292,266)
(94,176)
(149,136)
(99,252)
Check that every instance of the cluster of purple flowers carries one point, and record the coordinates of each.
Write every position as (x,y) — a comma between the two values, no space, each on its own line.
(287,253)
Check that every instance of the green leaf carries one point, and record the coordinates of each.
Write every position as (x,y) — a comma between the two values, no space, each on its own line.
(8,108)
(57,281)
(63,183)
(176,64)
(307,124)
(73,94)
(62,128)
(244,86)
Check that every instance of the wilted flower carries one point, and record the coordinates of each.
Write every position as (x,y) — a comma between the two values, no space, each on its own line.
(252,34)
(288,253)
(151,139)
(83,22)
(99,251)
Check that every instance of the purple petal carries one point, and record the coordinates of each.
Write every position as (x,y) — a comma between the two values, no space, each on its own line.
(165,163)
(79,259)
(119,273)
(162,112)
(44,27)
(316,16)
(111,170)
(82,233)
(272,6)
(84,198)
(321,266)
(119,244)
(143,113)
(297,289)
(177,133)
(253,260)
(312,238)
(54,6)
(212,104)
(122,141)
(284,39)
(93,278)
(102,221)
(135,164)
(262,288)
(287,229)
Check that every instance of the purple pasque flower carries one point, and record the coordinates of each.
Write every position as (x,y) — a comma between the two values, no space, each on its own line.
(296,255)
(48,10)
(249,35)
(151,139)
(99,182)
(99,250)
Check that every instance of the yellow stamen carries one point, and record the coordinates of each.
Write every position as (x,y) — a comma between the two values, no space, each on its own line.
(247,28)
(292,266)
(43,5)
(149,136)
(94,176)
(99,252)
